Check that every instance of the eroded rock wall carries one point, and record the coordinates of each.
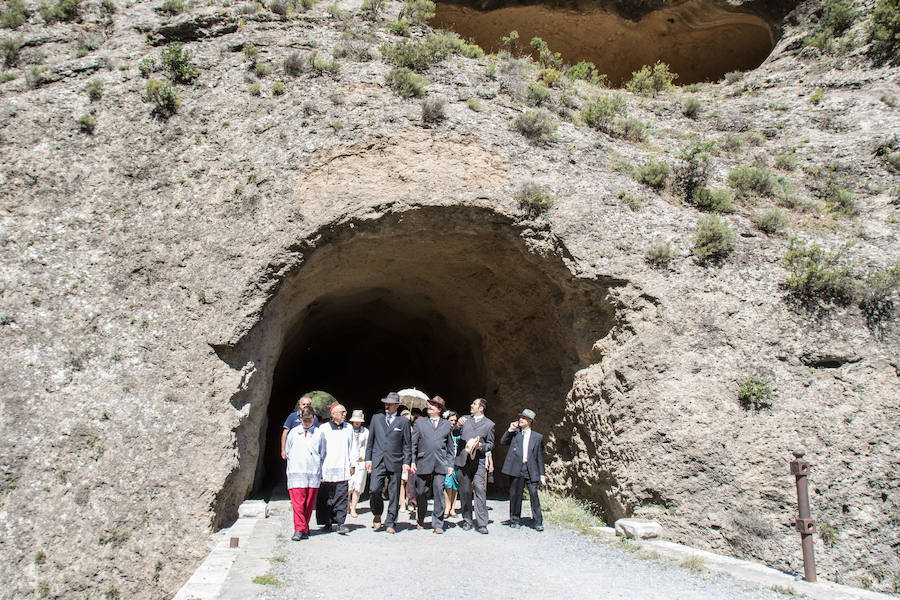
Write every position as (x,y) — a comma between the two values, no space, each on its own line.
(133,256)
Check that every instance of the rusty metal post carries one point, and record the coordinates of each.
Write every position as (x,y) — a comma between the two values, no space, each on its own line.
(805,525)
(234,542)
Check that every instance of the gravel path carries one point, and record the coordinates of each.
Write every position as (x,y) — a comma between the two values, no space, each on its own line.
(508,563)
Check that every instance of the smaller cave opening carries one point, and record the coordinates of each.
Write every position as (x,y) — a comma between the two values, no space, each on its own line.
(698,39)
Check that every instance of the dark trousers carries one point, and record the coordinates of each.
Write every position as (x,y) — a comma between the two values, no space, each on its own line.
(331,504)
(380,474)
(472,475)
(516,486)
(434,483)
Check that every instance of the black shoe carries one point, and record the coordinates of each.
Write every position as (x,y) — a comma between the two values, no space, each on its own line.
(482,530)
(328,527)
(304,536)
(296,537)
(465,526)
(538,527)
(514,524)
(343,530)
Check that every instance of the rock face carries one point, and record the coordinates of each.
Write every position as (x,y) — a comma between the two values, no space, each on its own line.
(170,284)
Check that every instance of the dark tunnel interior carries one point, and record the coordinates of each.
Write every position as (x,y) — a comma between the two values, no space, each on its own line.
(360,347)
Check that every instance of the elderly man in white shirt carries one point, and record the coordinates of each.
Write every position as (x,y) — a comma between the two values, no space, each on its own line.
(340,463)
(305,451)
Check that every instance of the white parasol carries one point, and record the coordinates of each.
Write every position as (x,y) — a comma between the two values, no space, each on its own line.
(413,398)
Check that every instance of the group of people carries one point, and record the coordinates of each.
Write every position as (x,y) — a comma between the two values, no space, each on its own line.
(438,454)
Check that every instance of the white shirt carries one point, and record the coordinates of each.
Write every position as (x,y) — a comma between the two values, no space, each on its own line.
(305,450)
(526,435)
(341,452)
(478,417)
(434,423)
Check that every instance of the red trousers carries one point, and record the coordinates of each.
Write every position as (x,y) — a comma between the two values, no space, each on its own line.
(303,500)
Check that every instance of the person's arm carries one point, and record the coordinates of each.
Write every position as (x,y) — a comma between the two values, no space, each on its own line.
(407,445)
(507,437)
(487,443)
(540,461)
(448,452)
(352,451)
(369,444)
(284,433)
(289,441)
(414,452)
(490,462)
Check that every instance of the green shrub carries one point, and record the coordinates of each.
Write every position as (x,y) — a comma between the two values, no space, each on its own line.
(690,107)
(146,66)
(164,99)
(278,88)
(654,174)
(250,51)
(294,64)
(63,10)
(545,56)
(178,62)
(473,104)
(602,113)
(816,97)
(840,202)
(400,27)
(9,50)
(586,71)
(884,31)
(632,128)
(633,202)
(754,138)
(433,110)
(86,124)
(718,201)
(837,15)
(472,51)
(714,239)
(8,76)
(786,161)
(323,66)
(40,557)
(13,14)
(748,180)
(815,273)
(828,533)
(406,83)
(94,90)
(537,94)
(419,55)
(731,143)
(549,77)
(660,255)
(371,9)
(172,7)
(537,126)
(877,294)
(693,169)
(262,69)
(649,81)
(255,89)
(418,12)
(35,76)
(534,200)
(771,221)
(754,394)
(510,42)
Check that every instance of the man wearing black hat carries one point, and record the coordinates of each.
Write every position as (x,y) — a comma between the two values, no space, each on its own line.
(432,451)
(525,465)
(388,455)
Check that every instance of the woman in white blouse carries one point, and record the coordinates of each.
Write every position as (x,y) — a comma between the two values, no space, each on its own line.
(358,479)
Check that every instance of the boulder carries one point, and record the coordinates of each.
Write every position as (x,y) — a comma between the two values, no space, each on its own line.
(253,509)
(638,528)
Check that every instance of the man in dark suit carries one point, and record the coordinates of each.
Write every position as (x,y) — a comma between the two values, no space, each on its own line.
(477,438)
(432,451)
(525,465)
(388,455)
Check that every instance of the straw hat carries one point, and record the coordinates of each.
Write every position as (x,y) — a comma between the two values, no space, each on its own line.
(358,416)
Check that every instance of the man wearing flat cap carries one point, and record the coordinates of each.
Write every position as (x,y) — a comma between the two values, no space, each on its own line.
(388,454)
(525,466)
(476,433)
(432,452)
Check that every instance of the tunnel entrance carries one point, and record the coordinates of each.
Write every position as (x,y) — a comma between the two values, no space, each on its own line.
(698,39)
(360,346)
(458,301)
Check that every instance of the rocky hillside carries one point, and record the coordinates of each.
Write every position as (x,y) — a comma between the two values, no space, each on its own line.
(716,264)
